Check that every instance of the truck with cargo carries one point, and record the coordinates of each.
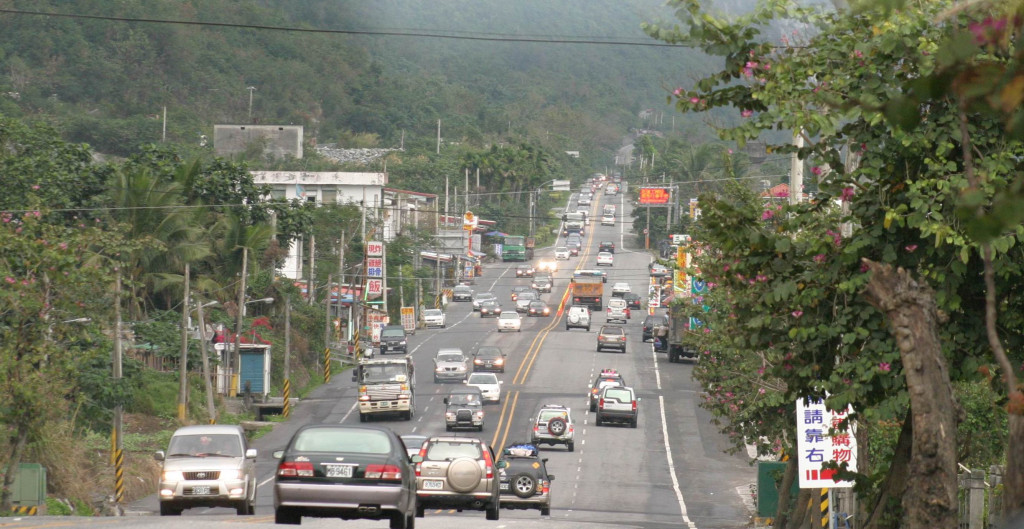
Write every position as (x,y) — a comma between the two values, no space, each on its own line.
(386,385)
(672,338)
(588,290)
(573,222)
(517,248)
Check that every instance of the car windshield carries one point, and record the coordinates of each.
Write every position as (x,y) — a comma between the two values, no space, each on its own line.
(449,450)
(527,296)
(488,352)
(462,288)
(482,378)
(561,249)
(536,304)
(384,373)
(450,357)
(546,415)
(342,440)
(509,316)
(393,333)
(432,312)
(205,444)
(463,399)
(612,331)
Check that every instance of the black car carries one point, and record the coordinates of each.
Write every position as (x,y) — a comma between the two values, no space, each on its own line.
(650,322)
(633,300)
(489,358)
(392,338)
(542,283)
(490,308)
(606,246)
(525,482)
(524,271)
(347,472)
(464,408)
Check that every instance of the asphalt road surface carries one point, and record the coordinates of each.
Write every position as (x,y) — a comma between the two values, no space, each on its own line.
(671,471)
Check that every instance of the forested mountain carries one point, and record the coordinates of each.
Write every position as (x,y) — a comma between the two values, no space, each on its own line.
(105,81)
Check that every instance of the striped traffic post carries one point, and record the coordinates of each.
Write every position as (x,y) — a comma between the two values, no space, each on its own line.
(327,365)
(118,476)
(287,408)
(824,508)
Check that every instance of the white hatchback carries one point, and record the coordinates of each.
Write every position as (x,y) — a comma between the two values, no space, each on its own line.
(510,321)
(490,386)
(605,258)
(618,289)
(608,220)
(562,253)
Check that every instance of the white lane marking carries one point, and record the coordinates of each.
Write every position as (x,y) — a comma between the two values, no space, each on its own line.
(672,466)
(350,410)
(657,373)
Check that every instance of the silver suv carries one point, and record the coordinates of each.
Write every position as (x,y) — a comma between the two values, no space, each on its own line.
(207,466)
(457,473)
(450,364)
(619,404)
(553,425)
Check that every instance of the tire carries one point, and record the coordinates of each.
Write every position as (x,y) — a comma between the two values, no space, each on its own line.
(167,509)
(242,508)
(593,407)
(420,510)
(480,428)
(588,328)
(284,516)
(598,421)
(493,510)
(557,426)
(571,446)
(523,485)
(436,381)
(545,511)
(400,521)
(447,427)
(632,423)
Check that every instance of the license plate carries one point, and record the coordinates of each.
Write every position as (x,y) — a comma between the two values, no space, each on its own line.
(338,471)
(433,484)
(201,490)
(504,486)
(384,405)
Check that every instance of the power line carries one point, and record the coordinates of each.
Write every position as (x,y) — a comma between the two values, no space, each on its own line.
(370,32)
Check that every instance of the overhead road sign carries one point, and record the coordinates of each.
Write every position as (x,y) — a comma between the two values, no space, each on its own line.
(655,196)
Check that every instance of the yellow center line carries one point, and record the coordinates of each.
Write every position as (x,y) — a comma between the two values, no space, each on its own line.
(508,409)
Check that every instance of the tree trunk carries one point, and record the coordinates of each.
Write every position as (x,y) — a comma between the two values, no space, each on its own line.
(788,477)
(910,306)
(798,518)
(895,481)
(18,440)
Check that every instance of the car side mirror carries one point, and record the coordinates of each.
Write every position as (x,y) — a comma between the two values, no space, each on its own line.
(278,454)
(551,477)
(416,458)
(500,382)
(250,453)
(446,401)
(545,460)
(159,455)
(355,378)
(502,464)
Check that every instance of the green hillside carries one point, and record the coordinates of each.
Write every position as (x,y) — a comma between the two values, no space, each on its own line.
(105,82)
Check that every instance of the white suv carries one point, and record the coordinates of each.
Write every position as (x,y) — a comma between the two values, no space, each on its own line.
(578,316)
(553,425)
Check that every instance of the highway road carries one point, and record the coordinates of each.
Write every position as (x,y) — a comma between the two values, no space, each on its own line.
(671,471)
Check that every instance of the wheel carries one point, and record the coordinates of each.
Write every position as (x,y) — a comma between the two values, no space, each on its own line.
(517,330)
(480,428)
(588,328)
(363,418)
(420,510)
(242,508)
(400,521)
(284,516)
(571,446)
(545,511)
(523,485)
(493,510)
(167,509)
(447,427)
(436,381)
(557,426)
(598,421)
(593,407)
(632,423)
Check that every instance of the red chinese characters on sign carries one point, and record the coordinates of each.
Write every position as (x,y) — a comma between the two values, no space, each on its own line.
(651,196)
(374,287)
(374,249)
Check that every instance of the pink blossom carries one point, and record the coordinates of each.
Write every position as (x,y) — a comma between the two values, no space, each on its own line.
(712,285)
(10,280)
(751,53)
(910,247)
(63,246)
(884,366)
(858,54)
(35,187)
(725,268)
(694,100)
(767,214)
(751,64)
(820,258)
(863,268)
(761,391)
(747,113)
(797,313)
(761,278)
(760,371)
(767,66)
(816,170)
(847,194)
(751,281)
(730,151)
(677,92)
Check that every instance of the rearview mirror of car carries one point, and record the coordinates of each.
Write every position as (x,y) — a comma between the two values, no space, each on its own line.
(417,458)
(277,454)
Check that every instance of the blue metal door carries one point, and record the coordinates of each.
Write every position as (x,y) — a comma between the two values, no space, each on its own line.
(251,372)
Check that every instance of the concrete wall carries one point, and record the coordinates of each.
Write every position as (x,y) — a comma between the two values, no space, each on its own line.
(278,140)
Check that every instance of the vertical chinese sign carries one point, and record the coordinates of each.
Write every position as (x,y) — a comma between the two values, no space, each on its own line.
(374,270)
(819,442)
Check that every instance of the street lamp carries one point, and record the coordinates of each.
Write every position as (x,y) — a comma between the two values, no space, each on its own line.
(261,300)
(251,89)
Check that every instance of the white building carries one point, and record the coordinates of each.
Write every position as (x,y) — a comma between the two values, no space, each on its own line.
(319,188)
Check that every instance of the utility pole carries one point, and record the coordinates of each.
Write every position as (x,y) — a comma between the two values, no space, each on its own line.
(401,290)
(445,223)
(467,189)
(118,443)
(211,408)
(327,310)
(341,280)
(251,89)
(234,362)
(647,232)
(312,268)
(796,170)
(530,213)
(438,136)
(183,362)
(287,354)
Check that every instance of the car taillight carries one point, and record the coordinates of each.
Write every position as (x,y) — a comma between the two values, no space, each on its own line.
(600,403)
(545,487)
(423,455)
(488,464)
(291,469)
(634,405)
(594,391)
(390,472)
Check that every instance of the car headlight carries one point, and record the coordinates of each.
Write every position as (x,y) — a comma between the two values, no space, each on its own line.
(401,342)
(172,475)
(449,415)
(231,474)
(439,369)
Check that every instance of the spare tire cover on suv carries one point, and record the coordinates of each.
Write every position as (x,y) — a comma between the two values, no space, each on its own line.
(574,317)
(556,426)
(463,474)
